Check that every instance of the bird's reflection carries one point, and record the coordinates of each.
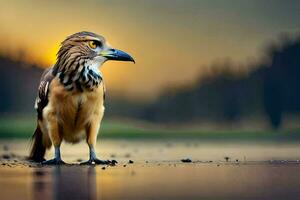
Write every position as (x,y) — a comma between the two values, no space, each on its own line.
(66,182)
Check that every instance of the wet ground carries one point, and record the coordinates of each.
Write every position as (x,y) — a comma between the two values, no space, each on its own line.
(216,171)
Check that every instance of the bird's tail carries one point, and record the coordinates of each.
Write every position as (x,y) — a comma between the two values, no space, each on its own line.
(38,149)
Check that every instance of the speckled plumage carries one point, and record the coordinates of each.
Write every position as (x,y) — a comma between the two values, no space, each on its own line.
(70,101)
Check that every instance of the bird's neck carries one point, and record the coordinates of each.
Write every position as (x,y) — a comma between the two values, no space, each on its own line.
(85,77)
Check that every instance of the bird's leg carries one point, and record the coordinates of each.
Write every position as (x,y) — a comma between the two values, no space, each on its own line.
(57,158)
(56,139)
(91,139)
(94,159)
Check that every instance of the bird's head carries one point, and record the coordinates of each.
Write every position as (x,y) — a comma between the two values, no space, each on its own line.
(86,48)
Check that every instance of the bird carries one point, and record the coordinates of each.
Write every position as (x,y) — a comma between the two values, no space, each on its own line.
(70,97)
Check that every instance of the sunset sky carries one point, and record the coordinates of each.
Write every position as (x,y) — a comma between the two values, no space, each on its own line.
(172,41)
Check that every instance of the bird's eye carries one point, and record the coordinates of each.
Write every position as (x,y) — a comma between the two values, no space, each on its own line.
(93,44)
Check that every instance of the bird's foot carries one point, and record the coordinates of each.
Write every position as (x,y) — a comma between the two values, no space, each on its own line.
(96,161)
(53,161)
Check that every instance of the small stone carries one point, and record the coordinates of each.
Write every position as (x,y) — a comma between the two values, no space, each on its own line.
(130,162)
(187,160)
(227,158)
(124,165)
(103,168)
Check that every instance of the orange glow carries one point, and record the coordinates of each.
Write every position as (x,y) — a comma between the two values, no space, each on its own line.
(50,55)
(170,42)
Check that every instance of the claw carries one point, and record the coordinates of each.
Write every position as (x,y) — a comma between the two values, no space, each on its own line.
(113,162)
(101,162)
(53,161)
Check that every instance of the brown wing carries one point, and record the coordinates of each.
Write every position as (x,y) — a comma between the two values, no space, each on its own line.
(43,90)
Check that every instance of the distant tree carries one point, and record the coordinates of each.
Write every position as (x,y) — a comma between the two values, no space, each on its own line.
(281,80)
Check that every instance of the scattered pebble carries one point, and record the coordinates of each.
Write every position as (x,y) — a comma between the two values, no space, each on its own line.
(227,158)
(130,162)
(187,160)
(124,165)
(103,168)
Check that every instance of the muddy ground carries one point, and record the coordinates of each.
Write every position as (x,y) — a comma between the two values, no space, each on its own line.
(209,171)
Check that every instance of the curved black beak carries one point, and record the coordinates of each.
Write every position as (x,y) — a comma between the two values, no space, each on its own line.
(115,54)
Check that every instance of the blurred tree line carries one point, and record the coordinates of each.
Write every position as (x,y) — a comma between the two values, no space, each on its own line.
(18,86)
(271,88)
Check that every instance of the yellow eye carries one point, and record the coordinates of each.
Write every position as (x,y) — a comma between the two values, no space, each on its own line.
(93,44)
